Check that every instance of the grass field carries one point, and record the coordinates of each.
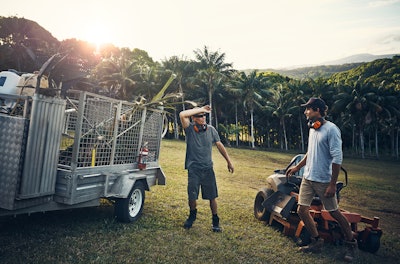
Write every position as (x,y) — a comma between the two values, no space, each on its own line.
(92,235)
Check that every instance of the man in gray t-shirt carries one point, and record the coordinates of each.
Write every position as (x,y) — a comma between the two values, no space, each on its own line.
(322,165)
(199,140)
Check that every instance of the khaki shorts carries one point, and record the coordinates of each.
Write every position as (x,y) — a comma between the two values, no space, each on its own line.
(308,189)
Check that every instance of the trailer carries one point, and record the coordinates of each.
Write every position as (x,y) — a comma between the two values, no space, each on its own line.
(63,152)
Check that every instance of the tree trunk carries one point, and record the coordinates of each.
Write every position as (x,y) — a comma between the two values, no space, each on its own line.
(236,125)
(176,127)
(301,134)
(362,143)
(394,142)
(353,139)
(397,143)
(284,133)
(183,96)
(210,103)
(369,144)
(251,129)
(268,137)
(376,143)
(216,118)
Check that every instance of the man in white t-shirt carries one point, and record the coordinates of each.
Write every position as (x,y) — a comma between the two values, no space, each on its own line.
(322,165)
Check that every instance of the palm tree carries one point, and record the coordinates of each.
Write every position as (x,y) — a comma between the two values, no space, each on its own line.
(393,105)
(115,74)
(385,113)
(281,105)
(184,71)
(233,100)
(357,101)
(296,90)
(251,88)
(212,70)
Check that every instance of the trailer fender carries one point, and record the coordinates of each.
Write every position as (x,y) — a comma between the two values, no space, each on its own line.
(124,184)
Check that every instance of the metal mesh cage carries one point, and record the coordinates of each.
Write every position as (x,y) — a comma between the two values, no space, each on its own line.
(101,131)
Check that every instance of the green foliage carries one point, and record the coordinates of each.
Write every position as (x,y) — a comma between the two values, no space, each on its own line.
(24,45)
(313,72)
(374,73)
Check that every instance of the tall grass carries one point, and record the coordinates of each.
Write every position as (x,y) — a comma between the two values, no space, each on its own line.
(92,235)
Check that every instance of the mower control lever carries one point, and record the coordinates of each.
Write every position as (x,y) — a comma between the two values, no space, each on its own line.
(295,160)
(345,176)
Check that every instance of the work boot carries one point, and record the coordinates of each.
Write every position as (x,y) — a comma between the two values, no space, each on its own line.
(351,249)
(192,217)
(215,224)
(315,246)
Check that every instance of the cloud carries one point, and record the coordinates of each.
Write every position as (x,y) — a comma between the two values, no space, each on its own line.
(391,39)
(382,3)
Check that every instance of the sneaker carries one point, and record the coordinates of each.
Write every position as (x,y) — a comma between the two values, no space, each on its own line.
(215,224)
(351,249)
(192,217)
(315,246)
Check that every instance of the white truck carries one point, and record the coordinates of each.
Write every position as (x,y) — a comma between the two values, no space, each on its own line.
(63,152)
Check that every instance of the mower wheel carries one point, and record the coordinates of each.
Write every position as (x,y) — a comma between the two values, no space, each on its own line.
(260,213)
(372,242)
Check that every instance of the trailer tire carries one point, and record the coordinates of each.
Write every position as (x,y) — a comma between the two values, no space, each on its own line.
(130,209)
(260,212)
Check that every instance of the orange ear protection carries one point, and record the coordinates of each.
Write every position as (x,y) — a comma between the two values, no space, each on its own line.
(200,128)
(316,124)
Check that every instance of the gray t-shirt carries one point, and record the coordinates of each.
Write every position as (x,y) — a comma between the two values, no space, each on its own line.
(324,148)
(199,147)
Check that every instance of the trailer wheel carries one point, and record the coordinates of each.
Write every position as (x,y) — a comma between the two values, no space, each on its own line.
(372,242)
(260,213)
(131,208)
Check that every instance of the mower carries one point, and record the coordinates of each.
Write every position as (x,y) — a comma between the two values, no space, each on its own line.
(276,204)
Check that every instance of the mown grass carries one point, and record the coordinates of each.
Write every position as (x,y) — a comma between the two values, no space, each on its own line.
(91,235)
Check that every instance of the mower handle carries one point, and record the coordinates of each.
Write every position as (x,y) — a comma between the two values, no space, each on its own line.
(345,176)
(296,158)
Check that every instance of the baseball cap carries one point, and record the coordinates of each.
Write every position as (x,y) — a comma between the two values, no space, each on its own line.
(315,102)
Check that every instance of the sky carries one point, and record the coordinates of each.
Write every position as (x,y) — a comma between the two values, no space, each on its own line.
(253,34)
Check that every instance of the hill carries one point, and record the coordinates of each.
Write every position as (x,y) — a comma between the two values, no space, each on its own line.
(315,72)
(327,69)
(363,57)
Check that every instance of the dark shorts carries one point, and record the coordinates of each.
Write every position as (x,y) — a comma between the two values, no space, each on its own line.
(204,178)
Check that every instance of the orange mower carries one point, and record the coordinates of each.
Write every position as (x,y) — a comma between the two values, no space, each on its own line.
(276,204)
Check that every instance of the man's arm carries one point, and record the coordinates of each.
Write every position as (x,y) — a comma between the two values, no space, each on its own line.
(185,115)
(331,190)
(223,152)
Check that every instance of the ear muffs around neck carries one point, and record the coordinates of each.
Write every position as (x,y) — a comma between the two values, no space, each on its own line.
(200,128)
(316,124)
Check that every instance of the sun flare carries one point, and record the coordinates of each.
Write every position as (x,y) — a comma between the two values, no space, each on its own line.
(98,35)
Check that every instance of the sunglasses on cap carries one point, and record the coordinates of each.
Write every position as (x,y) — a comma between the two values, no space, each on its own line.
(201,115)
